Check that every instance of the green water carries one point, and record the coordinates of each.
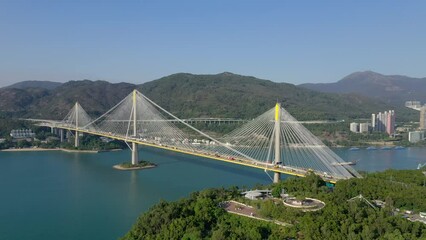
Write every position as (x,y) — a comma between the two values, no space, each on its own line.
(57,195)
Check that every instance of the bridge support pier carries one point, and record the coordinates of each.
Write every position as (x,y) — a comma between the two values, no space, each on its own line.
(51,130)
(277,177)
(135,154)
(61,134)
(76,140)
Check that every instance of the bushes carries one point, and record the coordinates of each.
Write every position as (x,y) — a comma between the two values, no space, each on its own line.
(199,217)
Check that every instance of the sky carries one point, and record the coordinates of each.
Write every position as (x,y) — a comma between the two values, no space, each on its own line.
(139,41)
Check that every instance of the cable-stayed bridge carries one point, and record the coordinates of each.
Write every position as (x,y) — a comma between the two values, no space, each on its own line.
(275,141)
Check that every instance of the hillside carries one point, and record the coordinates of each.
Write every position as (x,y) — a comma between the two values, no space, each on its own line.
(231,95)
(35,84)
(202,215)
(393,89)
(189,95)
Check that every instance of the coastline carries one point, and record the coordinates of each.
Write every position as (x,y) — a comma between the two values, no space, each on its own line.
(29,149)
(55,149)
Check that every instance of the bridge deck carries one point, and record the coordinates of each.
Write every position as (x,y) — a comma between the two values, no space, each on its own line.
(240,161)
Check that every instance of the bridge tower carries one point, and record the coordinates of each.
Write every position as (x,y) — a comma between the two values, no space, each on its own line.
(76,140)
(135,156)
(277,175)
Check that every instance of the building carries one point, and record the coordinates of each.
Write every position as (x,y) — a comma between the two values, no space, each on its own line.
(390,122)
(413,104)
(423,117)
(354,127)
(373,122)
(364,127)
(257,194)
(22,133)
(416,136)
(383,122)
(380,122)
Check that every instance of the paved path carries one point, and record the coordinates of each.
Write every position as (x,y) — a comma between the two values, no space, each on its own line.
(247,211)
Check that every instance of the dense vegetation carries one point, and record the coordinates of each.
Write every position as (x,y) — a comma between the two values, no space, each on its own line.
(140,164)
(188,95)
(236,96)
(199,217)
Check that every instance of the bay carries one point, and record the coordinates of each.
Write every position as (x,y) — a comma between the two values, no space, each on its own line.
(58,195)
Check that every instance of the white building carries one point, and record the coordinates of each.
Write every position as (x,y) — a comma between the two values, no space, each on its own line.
(354,127)
(416,136)
(423,117)
(22,133)
(413,104)
(363,127)
(374,122)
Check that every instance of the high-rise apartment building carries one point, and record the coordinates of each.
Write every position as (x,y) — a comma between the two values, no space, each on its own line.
(384,122)
(380,124)
(373,122)
(423,117)
(390,122)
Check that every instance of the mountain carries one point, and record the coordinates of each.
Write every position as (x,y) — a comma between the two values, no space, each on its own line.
(232,95)
(35,84)
(96,97)
(393,89)
(18,100)
(188,95)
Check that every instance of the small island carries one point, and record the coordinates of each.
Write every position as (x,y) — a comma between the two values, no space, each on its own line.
(130,166)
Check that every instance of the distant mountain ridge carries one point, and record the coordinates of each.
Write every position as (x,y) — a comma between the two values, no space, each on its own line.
(49,85)
(393,89)
(188,95)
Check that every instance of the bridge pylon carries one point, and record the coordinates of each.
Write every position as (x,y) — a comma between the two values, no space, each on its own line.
(76,137)
(277,175)
(135,153)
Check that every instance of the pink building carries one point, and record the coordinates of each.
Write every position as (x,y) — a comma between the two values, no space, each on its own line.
(390,122)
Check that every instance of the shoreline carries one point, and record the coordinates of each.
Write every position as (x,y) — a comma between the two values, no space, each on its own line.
(56,149)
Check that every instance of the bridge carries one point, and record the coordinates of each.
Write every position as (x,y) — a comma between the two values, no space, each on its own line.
(274,142)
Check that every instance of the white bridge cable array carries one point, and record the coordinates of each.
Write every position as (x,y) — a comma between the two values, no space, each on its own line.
(299,148)
(251,143)
(77,117)
(153,126)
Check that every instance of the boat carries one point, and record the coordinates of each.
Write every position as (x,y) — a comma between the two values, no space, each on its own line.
(399,147)
(371,148)
(353,149)
(386,148)
(344,163)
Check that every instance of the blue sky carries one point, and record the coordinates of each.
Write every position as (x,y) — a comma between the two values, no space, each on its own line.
(139,41)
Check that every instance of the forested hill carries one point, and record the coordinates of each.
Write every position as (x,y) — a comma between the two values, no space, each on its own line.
(95,96)
(344,216)
(394,89)
(189,95)
(35,84)
(231,95)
